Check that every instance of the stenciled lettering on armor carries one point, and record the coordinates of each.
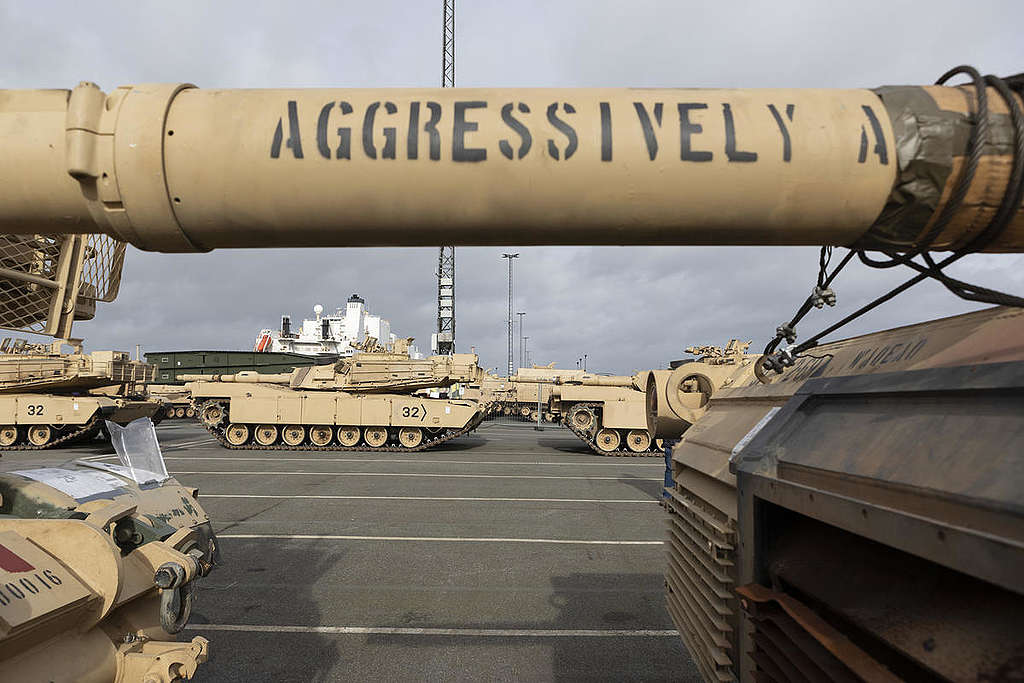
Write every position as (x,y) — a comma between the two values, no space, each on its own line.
(469,137)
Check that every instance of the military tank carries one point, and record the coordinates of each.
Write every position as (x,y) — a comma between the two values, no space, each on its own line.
(877,523)
(98,571)
(632,415)
(491,392)
(607,412)
(177,402)
(49,398)
(366,402)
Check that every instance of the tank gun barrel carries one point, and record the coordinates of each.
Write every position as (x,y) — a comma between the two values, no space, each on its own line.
(244,377)
(174,168)
(586,380)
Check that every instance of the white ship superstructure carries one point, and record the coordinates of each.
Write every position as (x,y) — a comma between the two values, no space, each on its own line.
(331,334)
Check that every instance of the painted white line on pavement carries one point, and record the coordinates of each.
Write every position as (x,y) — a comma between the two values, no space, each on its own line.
(414,461)
(470,632)
(206,496)
(417,474)
(435,539)
(187,444)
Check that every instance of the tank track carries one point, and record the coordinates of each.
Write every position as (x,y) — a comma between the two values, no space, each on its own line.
(591,439)
(446,435)
(93,425)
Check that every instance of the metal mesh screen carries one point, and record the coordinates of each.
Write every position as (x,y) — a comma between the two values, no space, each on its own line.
(101,269)
(37,273)
(28,281)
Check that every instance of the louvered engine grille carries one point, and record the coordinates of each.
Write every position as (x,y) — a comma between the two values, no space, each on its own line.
(699,581)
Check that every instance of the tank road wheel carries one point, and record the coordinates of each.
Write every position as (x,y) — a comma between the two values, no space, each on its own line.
(236,434)
(582,419)
(410,437)
(524,412)
(375,436)
(190,412)
(212,414)
(265,435)
(638,440)
(40,435)
(608,440)
(349,436)
(533,416)
(293,435)
(320,435)
(8,435)
(179,412)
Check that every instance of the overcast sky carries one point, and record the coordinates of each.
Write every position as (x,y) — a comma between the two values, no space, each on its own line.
(627,308)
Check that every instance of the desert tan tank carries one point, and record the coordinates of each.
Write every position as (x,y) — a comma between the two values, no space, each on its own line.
(491,392)
(608,412)
(877,517)
(98,574)
(176,400)
(530,392)
(362,403)
(49,398)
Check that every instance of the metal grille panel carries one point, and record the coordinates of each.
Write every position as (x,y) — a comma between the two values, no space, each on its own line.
(699,581)
(101,269)
(46,280)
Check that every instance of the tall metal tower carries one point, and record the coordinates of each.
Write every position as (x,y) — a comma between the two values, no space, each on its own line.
(446,256)
(511,318)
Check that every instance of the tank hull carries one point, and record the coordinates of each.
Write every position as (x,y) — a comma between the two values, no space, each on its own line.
(849,488)
(37,421)
(270,416)
(611,420)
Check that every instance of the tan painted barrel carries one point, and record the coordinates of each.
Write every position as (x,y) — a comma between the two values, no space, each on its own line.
(172,167)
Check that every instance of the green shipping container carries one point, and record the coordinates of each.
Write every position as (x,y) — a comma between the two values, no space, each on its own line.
(171,364)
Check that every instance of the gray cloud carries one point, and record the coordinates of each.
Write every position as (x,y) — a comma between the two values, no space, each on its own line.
(627,308)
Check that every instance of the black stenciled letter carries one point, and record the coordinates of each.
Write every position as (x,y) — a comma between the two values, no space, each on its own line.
(430,128)
(876,128)
(344,133)
(787,148)
(687,129)
(294,138)
(730,138)
(525,139)
(389,132)
(564,128)
(321,131)
(606,131)
(412,143)
(459,129)
(645,122)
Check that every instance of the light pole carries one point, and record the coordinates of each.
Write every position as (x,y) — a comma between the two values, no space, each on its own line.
(511,322)
(522,354)
(584,362)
